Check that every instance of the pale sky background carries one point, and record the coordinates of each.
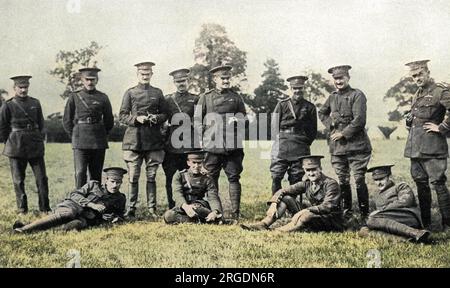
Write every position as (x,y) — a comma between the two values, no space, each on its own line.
(376,37)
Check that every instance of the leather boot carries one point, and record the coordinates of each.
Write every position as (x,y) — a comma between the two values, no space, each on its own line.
(424,195)
(42,224)
(397,228)
(346,192)
(363,202)
(276,185)
(151,194)
(443,198)
(235,199)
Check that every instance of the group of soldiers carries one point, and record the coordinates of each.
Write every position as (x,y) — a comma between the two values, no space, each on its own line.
(316,201)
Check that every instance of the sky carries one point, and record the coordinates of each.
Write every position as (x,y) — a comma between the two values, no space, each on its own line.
(375,37)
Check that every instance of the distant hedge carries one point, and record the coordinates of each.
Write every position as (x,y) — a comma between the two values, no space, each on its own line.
(55,132)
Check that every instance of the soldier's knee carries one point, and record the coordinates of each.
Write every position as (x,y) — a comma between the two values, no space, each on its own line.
(170,217)
(234,178)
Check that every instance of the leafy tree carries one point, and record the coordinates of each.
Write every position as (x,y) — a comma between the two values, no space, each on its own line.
(402,94)
(213,48)
(68,63)
(317,88)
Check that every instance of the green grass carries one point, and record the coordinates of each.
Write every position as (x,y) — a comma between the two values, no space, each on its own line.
(154,244)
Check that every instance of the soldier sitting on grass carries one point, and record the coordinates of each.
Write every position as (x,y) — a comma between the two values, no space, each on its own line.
(325,212)
(190,187)
(397,212)
(91,205)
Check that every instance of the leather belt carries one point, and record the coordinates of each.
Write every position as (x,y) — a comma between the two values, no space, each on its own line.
(88,120)
(29,127)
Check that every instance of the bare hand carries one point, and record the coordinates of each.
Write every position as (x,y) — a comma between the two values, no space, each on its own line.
(214,215)
(189,209)
(97,207)
(141,119)
(431,127)
(337,136)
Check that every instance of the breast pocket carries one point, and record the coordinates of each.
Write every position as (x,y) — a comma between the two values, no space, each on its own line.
(427,106)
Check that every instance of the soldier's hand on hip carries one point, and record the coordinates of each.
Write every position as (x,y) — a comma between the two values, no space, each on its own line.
(431,127)
(189,209)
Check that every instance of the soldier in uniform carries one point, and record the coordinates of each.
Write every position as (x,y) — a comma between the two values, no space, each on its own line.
(181,105)
(297,122)
(223,112)
(3,95)
(344,115)
(427,145)
(88,119)
(323,212)
(22,131)
(90,205)
(396,209)
(143,110)
(196,195)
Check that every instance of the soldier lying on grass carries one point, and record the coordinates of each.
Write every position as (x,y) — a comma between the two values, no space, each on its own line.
(91,205)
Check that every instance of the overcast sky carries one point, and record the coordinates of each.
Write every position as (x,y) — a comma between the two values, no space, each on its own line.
(375,37)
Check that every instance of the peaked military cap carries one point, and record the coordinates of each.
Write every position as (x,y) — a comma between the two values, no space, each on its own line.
(21,80)
(145,66)
(339,71)
(311,161)
(379,172)
(89,73)
(115,172)
(297,81)
(180,74)
(223,70)
(195,154)
(417,65)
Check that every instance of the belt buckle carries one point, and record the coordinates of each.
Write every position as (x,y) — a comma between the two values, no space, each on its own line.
(89,120)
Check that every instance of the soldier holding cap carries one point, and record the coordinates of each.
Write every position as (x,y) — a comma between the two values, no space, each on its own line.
(181,112)
(344,115)
(397,211)
(88,119)
(427,145)
(223,112)
(22,131)
(196,195)
(90,205)
(143,110)
(322,192)
(297,125)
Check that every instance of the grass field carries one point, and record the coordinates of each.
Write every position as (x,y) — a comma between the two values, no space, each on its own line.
(154,244)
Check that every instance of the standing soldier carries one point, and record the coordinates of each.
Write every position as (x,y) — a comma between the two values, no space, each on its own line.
(344,115)
(426,145)
(88,119)
(223,112)
(196,195)
(143,110)
(21,129)
(182,104)
(297,123)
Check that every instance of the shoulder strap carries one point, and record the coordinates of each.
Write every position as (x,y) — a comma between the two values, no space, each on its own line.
(84,102)
(176,103)
(291,107)
(23,111)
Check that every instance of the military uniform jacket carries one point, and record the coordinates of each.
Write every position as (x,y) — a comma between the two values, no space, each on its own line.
(429,105)
(220,137)
(22,131)
(297,123)
(189,188)
(325,197)
(345,111)
(94,192)
(397,199)
(183,106)
(88,123)
(142,100)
